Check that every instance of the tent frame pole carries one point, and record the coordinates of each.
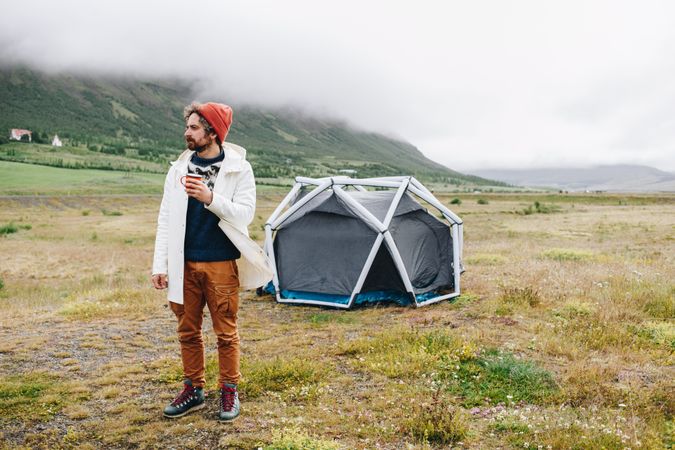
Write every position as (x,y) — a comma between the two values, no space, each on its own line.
(394,203)
(366,268)
(271,256)
(316,191)
(296,188)
(366,215)
(398,261)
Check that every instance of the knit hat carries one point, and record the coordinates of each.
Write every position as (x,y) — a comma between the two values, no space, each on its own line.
(219,116)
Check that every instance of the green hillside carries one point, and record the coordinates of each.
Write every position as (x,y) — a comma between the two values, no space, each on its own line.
(130,124)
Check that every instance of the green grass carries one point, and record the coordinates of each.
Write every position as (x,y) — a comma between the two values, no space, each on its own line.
(660,301)
(298,379)
(567,254)
(29,179)
(297,439)
(34,396)
(330,317)
(404,353)
(659,333)
(510,426)
(494,377)
(485,259)
(575,309)
(97,304)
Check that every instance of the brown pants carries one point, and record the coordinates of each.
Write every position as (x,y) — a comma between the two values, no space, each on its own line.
(215,284)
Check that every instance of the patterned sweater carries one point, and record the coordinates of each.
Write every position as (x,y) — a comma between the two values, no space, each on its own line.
(204,240)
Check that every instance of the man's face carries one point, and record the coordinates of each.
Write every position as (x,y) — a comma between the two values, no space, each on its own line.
(195,134)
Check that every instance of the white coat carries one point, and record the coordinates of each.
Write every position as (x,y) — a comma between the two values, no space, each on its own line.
(233,202)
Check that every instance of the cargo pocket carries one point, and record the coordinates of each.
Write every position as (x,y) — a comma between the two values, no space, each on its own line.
(227,299)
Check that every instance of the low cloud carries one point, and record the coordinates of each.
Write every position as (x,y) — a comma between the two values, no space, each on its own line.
(472,84)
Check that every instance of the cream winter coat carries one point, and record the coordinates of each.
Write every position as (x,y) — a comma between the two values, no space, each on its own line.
(233,202)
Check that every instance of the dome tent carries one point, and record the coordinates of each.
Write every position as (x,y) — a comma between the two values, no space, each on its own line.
(333,246)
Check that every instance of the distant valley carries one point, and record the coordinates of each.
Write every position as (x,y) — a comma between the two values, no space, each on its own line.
(614,178)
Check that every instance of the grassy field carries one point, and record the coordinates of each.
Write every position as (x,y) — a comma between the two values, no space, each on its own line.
(564,336)
(29,179)
(75,157)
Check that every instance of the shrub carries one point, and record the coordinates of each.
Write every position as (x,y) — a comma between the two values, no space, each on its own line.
(9,228)
(111,213)
(482,201)
(2,284)
(520,296)
(538,208)
(456,201)
(438,421)
(13,228)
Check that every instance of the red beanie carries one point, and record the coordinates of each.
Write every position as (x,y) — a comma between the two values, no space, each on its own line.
(219,116)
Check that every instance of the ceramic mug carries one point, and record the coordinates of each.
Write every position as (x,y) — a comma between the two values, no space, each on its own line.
(192,177)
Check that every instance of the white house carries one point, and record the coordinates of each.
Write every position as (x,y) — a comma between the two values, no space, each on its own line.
(17,133)
(56,142)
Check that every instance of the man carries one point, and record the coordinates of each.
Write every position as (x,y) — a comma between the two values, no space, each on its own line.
(203,254)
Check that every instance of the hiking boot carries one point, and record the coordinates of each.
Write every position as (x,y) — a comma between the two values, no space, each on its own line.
(190,399)
(229,402)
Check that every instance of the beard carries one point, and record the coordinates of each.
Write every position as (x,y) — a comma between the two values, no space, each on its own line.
(192,144)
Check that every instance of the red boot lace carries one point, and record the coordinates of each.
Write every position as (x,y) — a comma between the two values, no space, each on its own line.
(227,395)
(184,396)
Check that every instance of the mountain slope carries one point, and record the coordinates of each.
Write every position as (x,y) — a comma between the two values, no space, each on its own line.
(626,178)
(143,120)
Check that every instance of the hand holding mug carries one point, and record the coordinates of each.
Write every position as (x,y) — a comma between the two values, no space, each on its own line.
(195,187)
(195,177)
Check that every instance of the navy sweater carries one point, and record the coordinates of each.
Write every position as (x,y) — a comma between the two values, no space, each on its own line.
(204,240)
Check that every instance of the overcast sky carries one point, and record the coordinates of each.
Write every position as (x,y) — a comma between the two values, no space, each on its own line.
(473,84)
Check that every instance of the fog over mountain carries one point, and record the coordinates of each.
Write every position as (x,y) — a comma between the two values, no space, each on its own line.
(481,84)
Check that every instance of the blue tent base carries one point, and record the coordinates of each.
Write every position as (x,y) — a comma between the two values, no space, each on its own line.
(363,298)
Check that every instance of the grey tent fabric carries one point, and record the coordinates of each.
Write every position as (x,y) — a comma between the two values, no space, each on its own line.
(325,249)
(302,247)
